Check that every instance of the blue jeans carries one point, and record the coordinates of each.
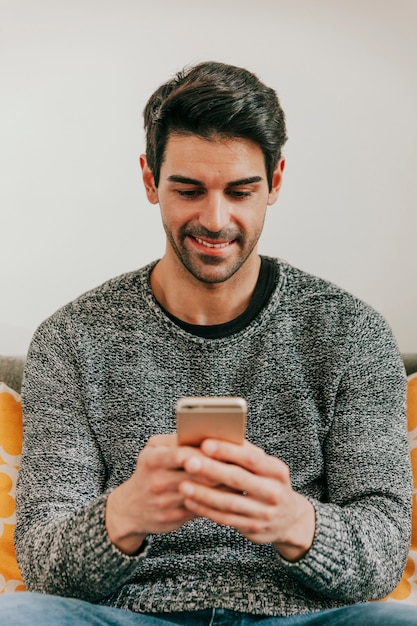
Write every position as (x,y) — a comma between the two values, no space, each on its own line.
(25,609)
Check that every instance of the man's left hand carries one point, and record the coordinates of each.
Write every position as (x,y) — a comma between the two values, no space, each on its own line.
(256,496)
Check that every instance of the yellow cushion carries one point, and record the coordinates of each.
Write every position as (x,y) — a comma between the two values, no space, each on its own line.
(10,451)
(406,590)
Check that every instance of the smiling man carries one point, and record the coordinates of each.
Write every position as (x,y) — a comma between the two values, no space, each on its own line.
(303,522)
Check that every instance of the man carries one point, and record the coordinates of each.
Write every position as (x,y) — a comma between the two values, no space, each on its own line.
(306,520)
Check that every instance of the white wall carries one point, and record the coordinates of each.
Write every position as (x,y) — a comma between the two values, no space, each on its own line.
(75,76)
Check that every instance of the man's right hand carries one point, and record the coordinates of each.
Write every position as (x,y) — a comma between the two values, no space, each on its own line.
(149,501)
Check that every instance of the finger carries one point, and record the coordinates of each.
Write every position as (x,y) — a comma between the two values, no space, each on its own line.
(164,511)
(168,441)
(216,472)
(166,502)
(204,470)
(219,498)
(246,455)
(234,478)
(253,528)
(259,490)
(166,457)
(237,511)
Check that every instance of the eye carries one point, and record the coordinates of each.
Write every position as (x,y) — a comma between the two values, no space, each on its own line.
(238,194)
(190,194)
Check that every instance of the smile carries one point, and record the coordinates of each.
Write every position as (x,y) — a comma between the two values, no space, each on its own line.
(212,245)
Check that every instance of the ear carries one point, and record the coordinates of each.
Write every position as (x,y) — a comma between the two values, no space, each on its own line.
(148,180)
(276,181)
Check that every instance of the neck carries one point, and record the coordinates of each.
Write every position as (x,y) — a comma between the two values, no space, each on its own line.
(195,302)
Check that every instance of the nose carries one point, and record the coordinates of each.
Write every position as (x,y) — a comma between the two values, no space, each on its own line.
(214,213)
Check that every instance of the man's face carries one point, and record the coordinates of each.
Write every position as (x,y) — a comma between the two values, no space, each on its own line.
(213,196)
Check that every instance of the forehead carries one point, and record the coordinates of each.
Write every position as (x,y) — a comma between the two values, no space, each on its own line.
(233,158)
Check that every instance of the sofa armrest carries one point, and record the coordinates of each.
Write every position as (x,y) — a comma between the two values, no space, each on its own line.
(410,362)
(11,371)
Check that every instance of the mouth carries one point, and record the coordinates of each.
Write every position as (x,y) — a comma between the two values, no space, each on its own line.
(212,245)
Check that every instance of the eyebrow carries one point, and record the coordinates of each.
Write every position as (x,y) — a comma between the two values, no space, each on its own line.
(174,178)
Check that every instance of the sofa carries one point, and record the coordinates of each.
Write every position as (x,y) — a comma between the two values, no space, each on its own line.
(11,372)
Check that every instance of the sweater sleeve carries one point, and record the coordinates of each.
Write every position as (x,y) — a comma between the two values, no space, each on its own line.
(61,542)
(363,525)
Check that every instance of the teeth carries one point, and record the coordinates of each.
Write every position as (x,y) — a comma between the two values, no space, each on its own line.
(212,245)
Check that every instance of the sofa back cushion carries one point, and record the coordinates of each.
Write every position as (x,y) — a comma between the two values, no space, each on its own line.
(11,371)
(406,590)
(10,452)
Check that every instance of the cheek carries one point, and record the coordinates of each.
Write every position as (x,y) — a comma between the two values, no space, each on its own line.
(254,223)
(177,213)
(173,220)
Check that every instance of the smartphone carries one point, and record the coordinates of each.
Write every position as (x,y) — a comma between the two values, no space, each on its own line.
(217,417)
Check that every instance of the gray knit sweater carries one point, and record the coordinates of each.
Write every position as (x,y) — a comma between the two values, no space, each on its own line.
(326,392)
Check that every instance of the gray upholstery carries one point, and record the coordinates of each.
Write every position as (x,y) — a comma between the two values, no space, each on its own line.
(410,362)
(11,368)
(11,371)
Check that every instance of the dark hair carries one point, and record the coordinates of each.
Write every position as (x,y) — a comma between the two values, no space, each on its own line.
(215,100)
